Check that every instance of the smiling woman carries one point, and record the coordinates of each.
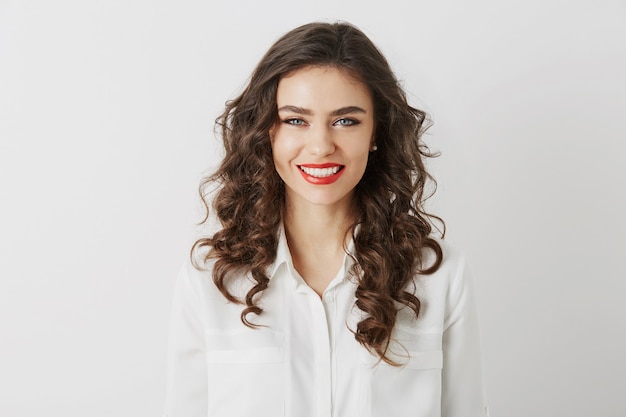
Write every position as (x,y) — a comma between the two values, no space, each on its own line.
(323,293)
(322,141)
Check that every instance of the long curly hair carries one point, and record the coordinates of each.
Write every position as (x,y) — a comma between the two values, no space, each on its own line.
(392,229)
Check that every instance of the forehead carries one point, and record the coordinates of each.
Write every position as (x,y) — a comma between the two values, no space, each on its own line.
(322,88)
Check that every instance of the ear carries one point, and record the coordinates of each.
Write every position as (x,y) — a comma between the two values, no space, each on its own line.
(373,146)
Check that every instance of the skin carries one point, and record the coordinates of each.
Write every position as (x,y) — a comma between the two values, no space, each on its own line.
(326,118)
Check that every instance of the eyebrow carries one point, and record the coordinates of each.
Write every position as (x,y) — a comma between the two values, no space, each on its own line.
(339,112)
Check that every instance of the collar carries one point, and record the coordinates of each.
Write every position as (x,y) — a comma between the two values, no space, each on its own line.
(283,256)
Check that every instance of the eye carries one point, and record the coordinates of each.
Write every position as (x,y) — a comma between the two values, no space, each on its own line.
(346,122)
(294,122)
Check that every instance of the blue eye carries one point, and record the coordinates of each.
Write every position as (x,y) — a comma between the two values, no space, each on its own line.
(294,122)
(346,122)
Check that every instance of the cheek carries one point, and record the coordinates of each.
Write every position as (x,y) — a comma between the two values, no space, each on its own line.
(283,150)
(281,156)
(364,155)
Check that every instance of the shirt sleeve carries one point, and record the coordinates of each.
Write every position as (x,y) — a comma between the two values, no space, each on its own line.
(186,394)
(462,379)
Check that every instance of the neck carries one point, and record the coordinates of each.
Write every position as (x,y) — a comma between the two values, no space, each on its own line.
(317,235)
(317,229)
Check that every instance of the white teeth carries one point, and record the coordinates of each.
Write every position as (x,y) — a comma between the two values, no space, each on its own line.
(320,172)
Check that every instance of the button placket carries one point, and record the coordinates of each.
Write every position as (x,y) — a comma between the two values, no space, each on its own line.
(330,307)
(322,355)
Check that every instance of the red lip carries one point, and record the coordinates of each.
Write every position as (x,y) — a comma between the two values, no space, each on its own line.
(324,180)
(325,165)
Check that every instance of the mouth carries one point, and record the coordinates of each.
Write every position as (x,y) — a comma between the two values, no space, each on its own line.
(321,174)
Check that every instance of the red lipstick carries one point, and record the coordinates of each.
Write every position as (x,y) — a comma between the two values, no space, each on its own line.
(321,174)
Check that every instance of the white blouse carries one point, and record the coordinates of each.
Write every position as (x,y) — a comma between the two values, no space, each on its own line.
(305,361)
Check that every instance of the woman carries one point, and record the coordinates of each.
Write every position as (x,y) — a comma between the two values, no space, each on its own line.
(323,292)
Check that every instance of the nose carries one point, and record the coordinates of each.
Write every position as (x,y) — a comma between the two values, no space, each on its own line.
(320,141)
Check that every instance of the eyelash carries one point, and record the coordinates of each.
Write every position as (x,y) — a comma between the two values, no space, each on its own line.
(291,122)
(345,122)
(351,122)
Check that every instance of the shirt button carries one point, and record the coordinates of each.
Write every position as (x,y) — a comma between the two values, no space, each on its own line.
(329,298)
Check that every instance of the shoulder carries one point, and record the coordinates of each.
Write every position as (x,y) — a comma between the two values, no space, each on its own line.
(195,278)
(439,291)
(453,259)
(196,289)
(198,274)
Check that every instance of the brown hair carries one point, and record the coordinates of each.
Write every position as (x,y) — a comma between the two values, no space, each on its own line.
(394,227)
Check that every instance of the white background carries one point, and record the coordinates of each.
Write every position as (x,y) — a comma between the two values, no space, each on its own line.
(106,125)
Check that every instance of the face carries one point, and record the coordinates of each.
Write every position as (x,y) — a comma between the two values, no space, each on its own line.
(322,139)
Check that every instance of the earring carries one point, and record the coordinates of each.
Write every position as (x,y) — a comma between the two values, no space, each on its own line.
(373,148)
